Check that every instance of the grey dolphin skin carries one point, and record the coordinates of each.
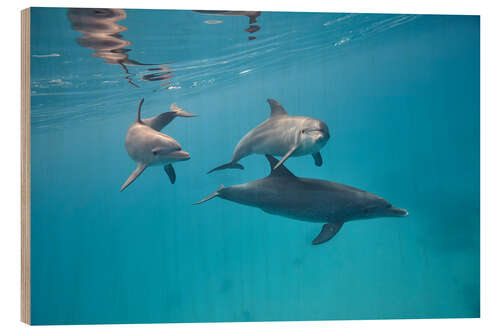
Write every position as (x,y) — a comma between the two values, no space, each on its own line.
(282,135)
(313,200)
(147,146)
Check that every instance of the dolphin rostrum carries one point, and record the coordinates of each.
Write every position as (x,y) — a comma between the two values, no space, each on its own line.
(313,200)
(147,146)
(281,135)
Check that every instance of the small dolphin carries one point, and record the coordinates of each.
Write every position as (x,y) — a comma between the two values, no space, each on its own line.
(147,146)
(313,200)
(281,135)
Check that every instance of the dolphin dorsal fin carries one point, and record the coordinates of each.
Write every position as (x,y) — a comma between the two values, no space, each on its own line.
(276,108)
(139,110)
(280,171)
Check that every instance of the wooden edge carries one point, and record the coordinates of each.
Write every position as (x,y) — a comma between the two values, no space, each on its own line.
(25,168)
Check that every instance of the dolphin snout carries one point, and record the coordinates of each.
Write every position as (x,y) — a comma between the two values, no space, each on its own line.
(324,131)
(180,155)
(398,212)
(323,137)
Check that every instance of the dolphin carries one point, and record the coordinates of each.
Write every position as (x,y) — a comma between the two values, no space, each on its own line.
(147,146)
(313,200)
(281,135)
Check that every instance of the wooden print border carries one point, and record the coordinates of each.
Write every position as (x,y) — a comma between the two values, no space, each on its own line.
(25,169)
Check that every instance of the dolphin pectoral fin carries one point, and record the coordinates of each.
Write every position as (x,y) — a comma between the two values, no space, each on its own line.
(284,158)
(210,196)
(169,169)
(133,176)
(318,160)
(329,230)
(230,165)
(160,121)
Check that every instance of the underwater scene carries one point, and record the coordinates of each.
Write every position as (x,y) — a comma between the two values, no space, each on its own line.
(213,165)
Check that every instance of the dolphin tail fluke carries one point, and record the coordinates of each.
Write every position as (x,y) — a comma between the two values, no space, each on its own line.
(160,121)
(230,165)
(211,196)
(179,112)
(133,176)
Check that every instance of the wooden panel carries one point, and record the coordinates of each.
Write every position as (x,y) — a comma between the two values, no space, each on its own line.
(25,168)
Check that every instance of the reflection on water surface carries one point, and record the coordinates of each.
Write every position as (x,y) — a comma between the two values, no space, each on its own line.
(102,33)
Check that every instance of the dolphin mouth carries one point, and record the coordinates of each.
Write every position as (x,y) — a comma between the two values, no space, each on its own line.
(321,135)
(179,155)
(325,135)
(325,131)
(398,212)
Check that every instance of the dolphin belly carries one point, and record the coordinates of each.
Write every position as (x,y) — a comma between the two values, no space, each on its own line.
(304,214)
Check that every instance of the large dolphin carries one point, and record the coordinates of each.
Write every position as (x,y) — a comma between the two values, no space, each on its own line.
(281,135)
(147,146)
(305,199)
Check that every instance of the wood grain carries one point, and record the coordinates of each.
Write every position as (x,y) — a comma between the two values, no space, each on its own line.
(25,169)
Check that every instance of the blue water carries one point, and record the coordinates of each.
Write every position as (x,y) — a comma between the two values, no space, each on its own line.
(400,94)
